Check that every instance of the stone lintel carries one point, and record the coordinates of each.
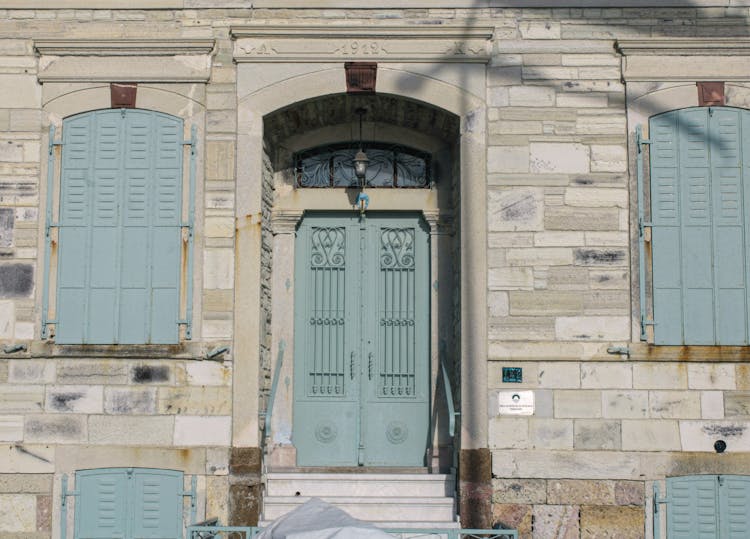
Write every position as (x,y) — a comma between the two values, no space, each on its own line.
(407,43)
(123,47)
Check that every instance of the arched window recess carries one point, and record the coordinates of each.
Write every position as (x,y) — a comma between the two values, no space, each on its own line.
(389,166)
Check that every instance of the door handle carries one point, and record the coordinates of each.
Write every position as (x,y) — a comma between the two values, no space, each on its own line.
(351,367)
(369,366)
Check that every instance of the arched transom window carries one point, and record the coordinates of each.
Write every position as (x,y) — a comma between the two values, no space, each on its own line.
(389,166)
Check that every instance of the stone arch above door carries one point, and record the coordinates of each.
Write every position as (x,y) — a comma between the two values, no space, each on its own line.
(265,87)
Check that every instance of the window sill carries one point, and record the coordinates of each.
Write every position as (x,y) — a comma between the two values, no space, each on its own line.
(182,350)
(688,353)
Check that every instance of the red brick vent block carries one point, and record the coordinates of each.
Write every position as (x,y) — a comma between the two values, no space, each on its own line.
(361,77)
(710,94)
(123,95)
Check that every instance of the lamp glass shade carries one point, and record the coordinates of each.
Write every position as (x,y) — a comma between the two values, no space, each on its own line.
(360,164)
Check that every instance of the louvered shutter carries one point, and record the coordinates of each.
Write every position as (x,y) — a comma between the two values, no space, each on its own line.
(698,213)
(101,505)
(691,509)
(734,507)
(157,503)
(119,263)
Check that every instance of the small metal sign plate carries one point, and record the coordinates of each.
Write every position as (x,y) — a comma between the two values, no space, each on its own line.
(513,375)
(516,403)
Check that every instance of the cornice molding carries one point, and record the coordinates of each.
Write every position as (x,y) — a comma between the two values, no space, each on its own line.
(293,43)
(124,47)
(684,59)
(124,60)
(684,46)
(285,221)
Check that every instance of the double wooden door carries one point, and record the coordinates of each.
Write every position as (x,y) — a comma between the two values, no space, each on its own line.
(361,354)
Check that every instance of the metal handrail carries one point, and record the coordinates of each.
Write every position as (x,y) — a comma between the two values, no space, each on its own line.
(448,394)
(274,386)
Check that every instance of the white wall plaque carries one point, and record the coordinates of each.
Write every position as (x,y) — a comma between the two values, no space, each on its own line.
(516,402)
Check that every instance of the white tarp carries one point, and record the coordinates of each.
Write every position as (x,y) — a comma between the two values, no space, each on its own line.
(317,519)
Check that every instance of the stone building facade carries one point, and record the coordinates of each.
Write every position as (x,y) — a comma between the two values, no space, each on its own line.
(544,273)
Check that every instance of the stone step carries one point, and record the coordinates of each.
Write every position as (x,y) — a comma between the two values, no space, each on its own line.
(425,525)
(360,485)
(371,508)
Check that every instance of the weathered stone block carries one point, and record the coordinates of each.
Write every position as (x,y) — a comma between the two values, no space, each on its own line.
(581,100)
(711,376)
(600,257)
(11,428)
(93,372)
(507,159)
(195,400)
(16,399)
(151,374)
(606,375)
(701,435)
(630,493)
(566,464)
(625,404)
(712,404)
(540,256)
(522,328)
(737,404)
(7,319)
(558,157)
(217,461)
(742,376)
(220,157)
(599,522)
(571,218)
(217,497)
(27,459)
(202,431)
(598,328)
(608,279)
(675,404)
(123,400)
(518,209)
(577,492)
(526,491)
(597,434)
(208,373)
(56,429)
(531,96)
(609,158)
(77,399)
(44,513)
(606,302)
(218,300)
(510,278)
(245,460)
(17,513)
(509,433)
(567,278)
(498,304)
(651,435)
(30,371)
(558,521)
(219,227)
(578,404)
(131,430)
(551,433)
(539,30)
(511,516)
(559,375)
(218,268)
(545,302)
(26,483)
(660,376)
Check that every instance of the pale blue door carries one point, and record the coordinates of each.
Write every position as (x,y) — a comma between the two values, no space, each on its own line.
(700,196)
(361,340)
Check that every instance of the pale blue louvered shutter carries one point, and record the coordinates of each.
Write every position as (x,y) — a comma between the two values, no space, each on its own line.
(101,506)
(119,263)
(699,227)
(734,506)
(692,507)
(157,504)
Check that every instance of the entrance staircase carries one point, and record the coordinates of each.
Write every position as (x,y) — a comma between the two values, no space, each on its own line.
(388,500)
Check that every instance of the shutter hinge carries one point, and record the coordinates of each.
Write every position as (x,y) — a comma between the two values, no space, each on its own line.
(66,492)
(193,494)
(193,140)
(639,139)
